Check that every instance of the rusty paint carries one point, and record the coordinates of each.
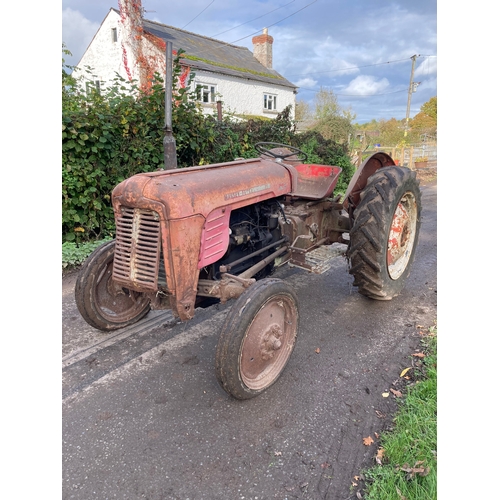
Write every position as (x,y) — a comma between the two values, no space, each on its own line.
(268,342)
(361,176)
(314,182)
(193,207)
(185,242)
(215,237)
(401,235)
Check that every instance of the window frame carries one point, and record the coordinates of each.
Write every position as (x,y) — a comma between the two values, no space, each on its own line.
(206,89)
(93,86)
(270,99)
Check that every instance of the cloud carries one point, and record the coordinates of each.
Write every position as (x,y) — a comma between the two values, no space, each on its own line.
(366,85)
(306,83)
(77,33)
(427,67)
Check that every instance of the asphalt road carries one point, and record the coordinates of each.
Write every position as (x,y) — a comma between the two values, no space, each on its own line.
(144,417)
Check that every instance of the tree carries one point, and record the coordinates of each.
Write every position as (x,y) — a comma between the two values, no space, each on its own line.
(373,125)
(391,131)
(332,121)
(68,80)
(430,108)
(425,122)
(302,111)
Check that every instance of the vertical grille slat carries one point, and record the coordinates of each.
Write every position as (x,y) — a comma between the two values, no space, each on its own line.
(138,248)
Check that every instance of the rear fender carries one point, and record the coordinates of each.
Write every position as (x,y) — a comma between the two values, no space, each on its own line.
(360,178)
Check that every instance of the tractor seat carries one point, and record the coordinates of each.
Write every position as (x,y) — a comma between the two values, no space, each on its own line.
(313,182)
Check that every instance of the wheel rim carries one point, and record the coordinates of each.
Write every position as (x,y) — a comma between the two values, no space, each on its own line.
(268,342)
(115,303)
(402,235)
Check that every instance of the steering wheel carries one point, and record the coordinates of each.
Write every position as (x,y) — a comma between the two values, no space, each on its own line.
(265,149)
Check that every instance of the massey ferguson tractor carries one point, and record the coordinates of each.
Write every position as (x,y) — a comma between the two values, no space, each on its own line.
(185,236)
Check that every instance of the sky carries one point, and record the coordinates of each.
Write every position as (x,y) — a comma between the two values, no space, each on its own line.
(360,50)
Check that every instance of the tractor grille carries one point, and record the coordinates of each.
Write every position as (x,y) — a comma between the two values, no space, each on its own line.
(138,248)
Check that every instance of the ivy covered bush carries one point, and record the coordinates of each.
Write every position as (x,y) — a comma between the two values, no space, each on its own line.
(112,134)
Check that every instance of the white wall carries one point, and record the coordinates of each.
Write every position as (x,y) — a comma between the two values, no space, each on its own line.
(245,96)
(104,55)
(238,95)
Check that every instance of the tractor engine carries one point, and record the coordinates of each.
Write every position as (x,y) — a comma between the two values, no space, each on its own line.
(251,229)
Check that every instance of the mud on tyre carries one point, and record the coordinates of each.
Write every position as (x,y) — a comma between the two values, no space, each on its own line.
(385,232)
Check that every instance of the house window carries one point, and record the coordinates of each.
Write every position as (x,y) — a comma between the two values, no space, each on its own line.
(93,86)
(206,92)
(270,102)
(114,35)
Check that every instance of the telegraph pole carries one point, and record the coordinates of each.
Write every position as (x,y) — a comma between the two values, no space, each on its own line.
(411,89)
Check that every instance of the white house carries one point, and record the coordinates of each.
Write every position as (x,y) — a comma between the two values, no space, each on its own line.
(135,48)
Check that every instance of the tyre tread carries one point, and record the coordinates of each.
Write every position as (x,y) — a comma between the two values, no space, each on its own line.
(372,217)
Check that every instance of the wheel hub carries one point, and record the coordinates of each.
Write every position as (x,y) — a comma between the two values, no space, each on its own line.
(401,235)
(268,342)
(271,342)
(114,289)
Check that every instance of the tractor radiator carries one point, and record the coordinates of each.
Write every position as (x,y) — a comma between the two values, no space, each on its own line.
(138,249)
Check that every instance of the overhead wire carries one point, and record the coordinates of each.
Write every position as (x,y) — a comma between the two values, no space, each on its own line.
(255,32)
(306,74)
(198,14)
(356,67)
(251,20)
(355,95)
(277,22)
(348,68)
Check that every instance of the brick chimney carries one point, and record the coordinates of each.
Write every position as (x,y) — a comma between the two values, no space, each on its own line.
(263,49)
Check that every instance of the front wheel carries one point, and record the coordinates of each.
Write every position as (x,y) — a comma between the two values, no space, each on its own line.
(257,338)
(385,232)
(104,304)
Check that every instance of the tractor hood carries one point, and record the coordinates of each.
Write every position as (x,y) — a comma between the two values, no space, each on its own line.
(199,190)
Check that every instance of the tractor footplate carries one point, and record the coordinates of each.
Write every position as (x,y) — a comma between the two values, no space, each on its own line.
(320,259)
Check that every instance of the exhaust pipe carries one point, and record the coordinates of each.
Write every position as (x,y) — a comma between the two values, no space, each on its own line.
(169,148)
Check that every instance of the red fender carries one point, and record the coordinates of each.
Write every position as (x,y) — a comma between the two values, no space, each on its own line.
(360,178)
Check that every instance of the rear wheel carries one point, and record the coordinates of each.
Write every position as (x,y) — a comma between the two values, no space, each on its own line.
(104,304)
(257,338)
(385,232)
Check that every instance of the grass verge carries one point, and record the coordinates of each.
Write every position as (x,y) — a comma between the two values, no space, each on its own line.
(407,458)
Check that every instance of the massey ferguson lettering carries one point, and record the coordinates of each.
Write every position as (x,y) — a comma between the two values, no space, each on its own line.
(244,192)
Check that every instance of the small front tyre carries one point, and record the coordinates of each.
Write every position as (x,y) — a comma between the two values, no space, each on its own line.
(257,338)
(104,304)
(385,232)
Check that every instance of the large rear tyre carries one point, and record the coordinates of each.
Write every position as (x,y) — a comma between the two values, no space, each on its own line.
(385,232)
(102,303)
(257,339)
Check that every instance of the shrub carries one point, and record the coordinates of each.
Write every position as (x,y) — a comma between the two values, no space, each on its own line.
(74,254)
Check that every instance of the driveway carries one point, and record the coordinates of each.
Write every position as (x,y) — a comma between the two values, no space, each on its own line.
(144,417)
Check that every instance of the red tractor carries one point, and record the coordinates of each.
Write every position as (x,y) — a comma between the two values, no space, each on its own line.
(216,232)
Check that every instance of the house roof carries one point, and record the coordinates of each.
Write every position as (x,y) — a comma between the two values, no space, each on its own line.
(212,55)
